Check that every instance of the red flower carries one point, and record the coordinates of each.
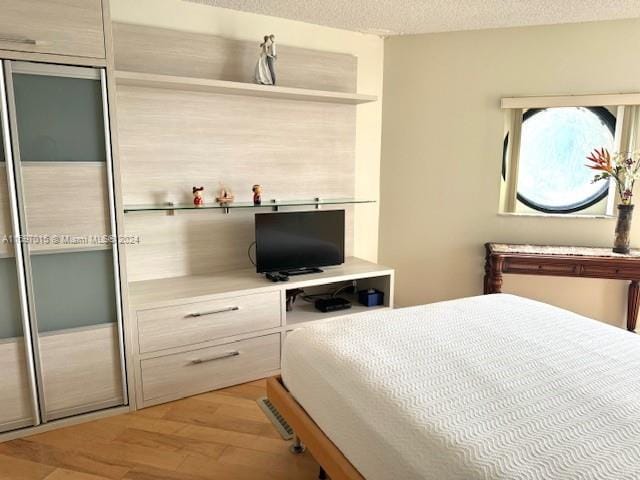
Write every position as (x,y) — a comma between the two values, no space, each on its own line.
(601,160)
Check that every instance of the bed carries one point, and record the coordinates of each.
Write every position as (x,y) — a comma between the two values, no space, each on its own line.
(491,387)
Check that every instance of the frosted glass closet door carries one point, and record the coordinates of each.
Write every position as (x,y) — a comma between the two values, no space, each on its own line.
(64,185)
(18,400)
(16,409)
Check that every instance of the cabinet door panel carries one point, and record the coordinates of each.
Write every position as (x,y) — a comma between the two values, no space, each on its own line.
(15,402)
(66,204)
(59,118)
(61,168)
(81,370)
(16,407)
(65,27)
(73,289)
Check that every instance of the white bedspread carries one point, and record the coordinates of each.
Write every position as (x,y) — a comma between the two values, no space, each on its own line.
(492,387)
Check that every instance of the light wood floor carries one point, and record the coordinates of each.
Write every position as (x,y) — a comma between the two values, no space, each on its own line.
(218,435)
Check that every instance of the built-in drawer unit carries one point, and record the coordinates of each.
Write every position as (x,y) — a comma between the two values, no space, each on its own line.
(195,371)
(189,324)
(63,27)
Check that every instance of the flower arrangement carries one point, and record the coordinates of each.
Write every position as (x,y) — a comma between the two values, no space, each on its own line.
(623,168)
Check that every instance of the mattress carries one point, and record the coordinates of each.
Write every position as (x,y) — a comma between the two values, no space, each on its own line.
(491,387)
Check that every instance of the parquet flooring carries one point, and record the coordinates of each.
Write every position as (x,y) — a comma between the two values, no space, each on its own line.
(221,435)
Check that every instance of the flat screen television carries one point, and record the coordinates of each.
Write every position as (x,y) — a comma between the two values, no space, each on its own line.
(297,242)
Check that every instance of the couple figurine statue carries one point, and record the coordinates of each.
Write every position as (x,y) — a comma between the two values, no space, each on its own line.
(266,67)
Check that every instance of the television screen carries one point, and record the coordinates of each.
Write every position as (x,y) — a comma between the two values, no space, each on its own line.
(295,240)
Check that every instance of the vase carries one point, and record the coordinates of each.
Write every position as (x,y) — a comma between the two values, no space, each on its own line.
(623,227)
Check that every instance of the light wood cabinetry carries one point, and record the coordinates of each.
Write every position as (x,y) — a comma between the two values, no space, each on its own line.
(186,54)
(189,110)
(223,87)
(180,354)
(62,27)
(79,193)
(5,219)
(15,402)
(81,370)
(67,293)
(18,406)
(192,323)
(195,371)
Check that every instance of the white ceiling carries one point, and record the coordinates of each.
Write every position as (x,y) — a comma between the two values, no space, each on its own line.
(397,17)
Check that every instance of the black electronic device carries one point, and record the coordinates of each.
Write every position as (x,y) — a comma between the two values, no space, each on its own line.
(277,277)
(295,243)
(332,304)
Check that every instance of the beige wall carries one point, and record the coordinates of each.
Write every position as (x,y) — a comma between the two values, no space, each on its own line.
(368,49)
(441,155)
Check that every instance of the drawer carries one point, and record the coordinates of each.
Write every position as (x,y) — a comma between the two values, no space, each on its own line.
(188,324)
(201,370)
(64,27)
(521,266)
(610,271)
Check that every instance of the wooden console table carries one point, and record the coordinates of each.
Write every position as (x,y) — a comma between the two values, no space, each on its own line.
(584,262)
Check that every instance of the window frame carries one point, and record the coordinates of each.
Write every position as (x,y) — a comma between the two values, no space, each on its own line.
(627,138)
(610,122)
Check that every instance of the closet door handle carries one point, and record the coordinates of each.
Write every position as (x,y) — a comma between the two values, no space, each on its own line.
(212,312)
(198,361)
(20,40)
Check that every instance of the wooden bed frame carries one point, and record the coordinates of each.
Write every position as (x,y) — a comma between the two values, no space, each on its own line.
(330,458)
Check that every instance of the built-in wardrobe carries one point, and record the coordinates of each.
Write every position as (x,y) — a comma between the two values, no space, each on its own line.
(61,336)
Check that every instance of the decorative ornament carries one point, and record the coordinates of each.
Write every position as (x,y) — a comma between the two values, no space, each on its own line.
(257,194)
(266,66)
(198,201)
(224,195)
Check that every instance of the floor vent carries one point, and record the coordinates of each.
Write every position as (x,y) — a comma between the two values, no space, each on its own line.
(272,413)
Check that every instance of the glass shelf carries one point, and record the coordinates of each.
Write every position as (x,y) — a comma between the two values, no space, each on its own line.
(226,208)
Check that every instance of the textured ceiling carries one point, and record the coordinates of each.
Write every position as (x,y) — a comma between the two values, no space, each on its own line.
(396,17)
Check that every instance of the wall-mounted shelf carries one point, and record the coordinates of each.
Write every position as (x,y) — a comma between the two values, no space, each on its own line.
(226,208)
(138,79)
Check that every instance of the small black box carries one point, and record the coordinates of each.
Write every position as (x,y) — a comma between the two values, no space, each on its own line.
(371,297)
(332,304)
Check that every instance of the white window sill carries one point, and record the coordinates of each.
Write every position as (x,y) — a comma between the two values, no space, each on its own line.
(556,215)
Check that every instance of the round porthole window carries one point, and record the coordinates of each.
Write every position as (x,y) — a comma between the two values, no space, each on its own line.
(552,177)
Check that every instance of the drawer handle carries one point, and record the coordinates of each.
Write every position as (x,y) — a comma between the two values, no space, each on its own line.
(198,361)
(21,40)
(212,312)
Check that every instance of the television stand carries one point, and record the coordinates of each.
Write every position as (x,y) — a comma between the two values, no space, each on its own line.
(252,316)
(300,271)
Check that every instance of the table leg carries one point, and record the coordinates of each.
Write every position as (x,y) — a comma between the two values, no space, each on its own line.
(633,302)
(493,275)
(487,274)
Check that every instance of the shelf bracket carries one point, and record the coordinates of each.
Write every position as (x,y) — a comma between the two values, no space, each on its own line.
(274,208)
(318,206)
(170,212)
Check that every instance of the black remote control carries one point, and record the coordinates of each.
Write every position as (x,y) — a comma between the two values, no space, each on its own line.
(277,277)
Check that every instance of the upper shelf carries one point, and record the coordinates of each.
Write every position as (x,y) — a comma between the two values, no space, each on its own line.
(238,88)
(274,204)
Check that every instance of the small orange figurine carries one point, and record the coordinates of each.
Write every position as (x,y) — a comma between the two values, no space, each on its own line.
(257,194)
(198,201)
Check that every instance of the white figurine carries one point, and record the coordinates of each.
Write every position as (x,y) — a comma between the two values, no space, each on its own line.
(266,67)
